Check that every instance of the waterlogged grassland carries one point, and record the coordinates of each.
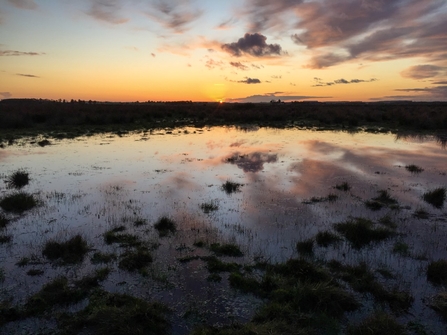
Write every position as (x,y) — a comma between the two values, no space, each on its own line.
(136,227)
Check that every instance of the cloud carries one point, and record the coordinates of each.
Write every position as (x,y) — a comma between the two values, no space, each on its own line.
(239,65)
(212,64)
(226,25)
(254,45)
(423,71)
(320,83)
(27,75)
(252,162)
(6,95)
(419,94)
(153,55)
(24,4)
(250,81)
(174,15)
(107,11)
(440,83)
(267,97)
(19,53)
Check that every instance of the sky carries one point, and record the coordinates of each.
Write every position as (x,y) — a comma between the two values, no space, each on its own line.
(224,50)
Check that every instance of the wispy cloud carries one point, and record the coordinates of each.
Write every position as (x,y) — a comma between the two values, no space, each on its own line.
(419,94)
(254,45)
(212,64)
(174,15)
(423,71)
(20,53)
(250,81)
(239,65)
(107,11)
(6,95)
(27,75)
(24,4)
(320,83)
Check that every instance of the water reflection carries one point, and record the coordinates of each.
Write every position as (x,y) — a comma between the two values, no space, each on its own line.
(440,138)
(253,162)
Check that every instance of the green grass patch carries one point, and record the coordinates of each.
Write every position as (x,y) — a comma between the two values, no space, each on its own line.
(436,197)
(361,232)
(18,203)
(227,249)
(102,258)
(214,264)
(135,260)
(437,272)
(116,314)
(69,252)
(326,238)
(401,248)
(18,179)
(165,225)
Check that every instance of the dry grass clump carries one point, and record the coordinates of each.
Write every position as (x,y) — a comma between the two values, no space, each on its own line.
(69,252)
(436,197)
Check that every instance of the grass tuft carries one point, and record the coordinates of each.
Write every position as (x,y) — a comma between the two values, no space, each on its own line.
(165,225)
(18,202)
(377,324)
(69,252)
(305,247)
(436,197)
(102,258)
(437,272)
(18,179)
(230,187)
(401,248)
(414,168)
(439,304)
(5,239)
(421,214)
(326,238)
(208,207)
(227,249)
(3,221)
(135,260)
(384,199)
(343,186)
(361,232)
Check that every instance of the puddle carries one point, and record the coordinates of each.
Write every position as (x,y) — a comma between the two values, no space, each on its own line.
(88,188)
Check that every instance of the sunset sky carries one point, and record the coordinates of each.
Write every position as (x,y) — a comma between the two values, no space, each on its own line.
(230,50)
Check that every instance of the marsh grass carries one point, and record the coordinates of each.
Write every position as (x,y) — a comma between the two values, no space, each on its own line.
(18,203)
(4,221)
(387,222)
(326,238)
(44,143)
(384,199)
(343,186)
(230,187)
(102,258)
(208,207)
(165,225)
(5,239)
(35,272)
(401,248)
(139,222)
(329,198)
(71,251)
(361,232)
(305,247)
(135,260)
(414,169)
(124,240)
(421,214)
(18,179)
(437,272)
(436,197)
(377,324)
(116,314)
(214,264)
(439,304)
(227,249)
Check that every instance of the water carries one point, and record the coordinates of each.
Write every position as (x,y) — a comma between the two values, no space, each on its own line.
(91,184)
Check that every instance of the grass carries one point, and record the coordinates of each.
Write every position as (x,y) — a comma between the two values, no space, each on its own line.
(439,304)
(124,240)
(208,207)
(436,197)
(102,258)
(305,247)
(135,260)
(18,179)
(230,187)
(401,248)
(343,186)
(35,272)
(18,203)
(326,238)
(5,239)
(361,232)
(4,221)
(437,272)
(414,168)
(378,324)
(71,251)
(384,199)
(421,214)
(165,225)
(214,264)
(116,314)
(227,249)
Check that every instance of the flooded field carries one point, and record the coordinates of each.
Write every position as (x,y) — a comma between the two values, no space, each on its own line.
(284,187)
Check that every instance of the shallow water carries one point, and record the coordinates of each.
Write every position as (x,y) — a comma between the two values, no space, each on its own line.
(90,185)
